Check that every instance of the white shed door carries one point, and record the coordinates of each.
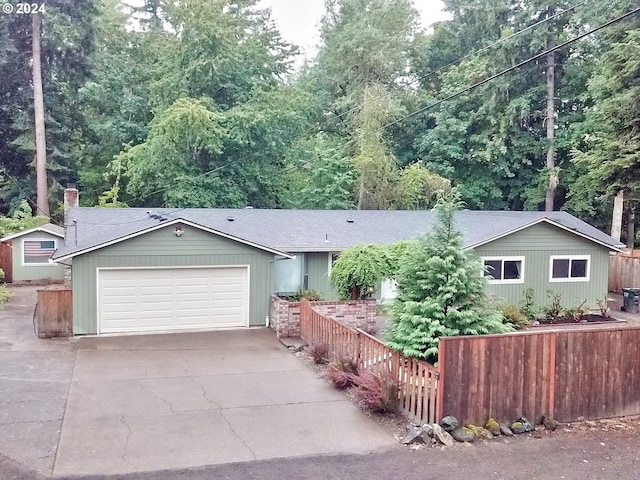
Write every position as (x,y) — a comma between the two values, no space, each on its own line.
(161,299)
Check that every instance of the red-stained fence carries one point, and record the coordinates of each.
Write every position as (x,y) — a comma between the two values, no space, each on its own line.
(567,374)
(418,380)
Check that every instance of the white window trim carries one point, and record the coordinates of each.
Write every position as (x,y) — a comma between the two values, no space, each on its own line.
(493,281)
(570,258)
(46,264)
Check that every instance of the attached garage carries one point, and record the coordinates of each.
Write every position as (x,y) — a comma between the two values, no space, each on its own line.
(164,299)
(175,275)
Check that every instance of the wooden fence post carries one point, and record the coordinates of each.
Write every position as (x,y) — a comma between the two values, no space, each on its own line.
(552,376)
(441,379)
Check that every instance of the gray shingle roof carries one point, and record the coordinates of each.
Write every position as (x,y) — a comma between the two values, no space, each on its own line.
(307,230)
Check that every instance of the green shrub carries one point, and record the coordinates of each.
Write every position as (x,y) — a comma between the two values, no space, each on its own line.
(574,313)
(553,311)
(311,295)
(514,316)
(5,294)
(527,305)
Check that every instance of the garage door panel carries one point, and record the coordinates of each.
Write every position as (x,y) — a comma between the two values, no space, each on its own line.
(163,299)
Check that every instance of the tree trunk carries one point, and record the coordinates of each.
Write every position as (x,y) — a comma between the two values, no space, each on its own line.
(551,131)
(616,219)
(355,292)
(42,191)
(631,227)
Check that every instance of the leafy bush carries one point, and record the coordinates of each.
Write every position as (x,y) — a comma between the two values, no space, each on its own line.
(342,372)
(574,313)
(311,295)
(1,275)
(339,378)
(319,352)
(21,219)
(527,305)
(553,311)
(603,306)
(514,316)
(359,269)
(377,392)
(5,294)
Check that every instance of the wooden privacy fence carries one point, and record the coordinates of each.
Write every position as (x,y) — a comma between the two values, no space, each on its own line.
(566,374)
(54,313)
(624,271)
(418,380)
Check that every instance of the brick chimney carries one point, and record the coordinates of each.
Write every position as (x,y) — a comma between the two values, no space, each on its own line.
(71,197)
(71,200)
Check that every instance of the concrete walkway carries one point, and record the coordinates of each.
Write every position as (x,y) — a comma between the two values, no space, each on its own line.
(116,405)
(34,382)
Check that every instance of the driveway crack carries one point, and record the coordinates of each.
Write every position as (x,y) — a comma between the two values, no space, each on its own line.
(126,444)
(236,435)
(162,399)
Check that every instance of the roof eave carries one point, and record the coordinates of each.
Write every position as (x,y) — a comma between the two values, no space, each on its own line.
(31,230)
(167,224)
(616,247)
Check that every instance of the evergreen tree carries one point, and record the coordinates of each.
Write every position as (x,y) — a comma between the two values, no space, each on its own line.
(440,290)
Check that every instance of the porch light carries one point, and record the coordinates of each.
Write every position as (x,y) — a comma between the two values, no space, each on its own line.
(179,231)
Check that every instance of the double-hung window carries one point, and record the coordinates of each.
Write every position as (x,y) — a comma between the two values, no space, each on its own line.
(569,268)
(503,269)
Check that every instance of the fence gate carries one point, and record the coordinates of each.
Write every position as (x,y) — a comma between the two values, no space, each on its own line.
(6,258)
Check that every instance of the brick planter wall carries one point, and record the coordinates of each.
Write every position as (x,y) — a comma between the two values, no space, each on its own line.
(284,316)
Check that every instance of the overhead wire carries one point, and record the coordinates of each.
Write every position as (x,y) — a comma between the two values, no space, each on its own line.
(483,49)
(477,84)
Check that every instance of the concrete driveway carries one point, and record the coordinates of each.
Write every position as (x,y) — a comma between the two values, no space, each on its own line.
(140,403)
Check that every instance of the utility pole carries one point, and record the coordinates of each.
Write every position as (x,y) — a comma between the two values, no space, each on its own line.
(42,191)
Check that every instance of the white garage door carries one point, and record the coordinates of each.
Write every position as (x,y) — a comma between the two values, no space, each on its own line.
(160,299)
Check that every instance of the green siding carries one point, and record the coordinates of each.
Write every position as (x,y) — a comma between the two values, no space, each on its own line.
(162,248)
(318,274)
(537,244)
(39,273)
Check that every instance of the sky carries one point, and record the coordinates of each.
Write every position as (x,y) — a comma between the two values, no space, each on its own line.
(299,20)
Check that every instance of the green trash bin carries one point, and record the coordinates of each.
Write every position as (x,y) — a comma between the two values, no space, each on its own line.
(631,300)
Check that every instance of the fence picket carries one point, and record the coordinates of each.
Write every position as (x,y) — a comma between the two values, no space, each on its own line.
(417,389)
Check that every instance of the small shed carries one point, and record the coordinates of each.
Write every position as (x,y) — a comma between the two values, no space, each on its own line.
(24,256)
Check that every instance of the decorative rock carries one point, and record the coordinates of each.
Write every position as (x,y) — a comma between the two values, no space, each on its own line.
(493,427)
(449,423)
(528,426)
(414,435)
(505,430)
(483,433)
(427,432)
(549,423)
(518,427)
(479,432)
(463,434)
(443,437)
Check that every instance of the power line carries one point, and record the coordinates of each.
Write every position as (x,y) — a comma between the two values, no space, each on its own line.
(484,49)
(488,79)
(509,37)
(459,92)
(514,67)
